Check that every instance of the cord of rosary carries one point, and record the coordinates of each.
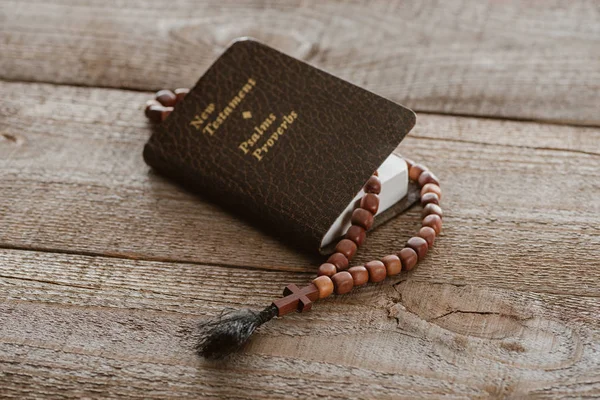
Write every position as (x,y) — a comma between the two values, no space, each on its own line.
(231,330)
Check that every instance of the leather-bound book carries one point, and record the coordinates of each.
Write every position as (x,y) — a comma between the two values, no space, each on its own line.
(282,143)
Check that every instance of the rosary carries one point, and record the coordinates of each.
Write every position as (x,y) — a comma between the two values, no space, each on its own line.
(230,331)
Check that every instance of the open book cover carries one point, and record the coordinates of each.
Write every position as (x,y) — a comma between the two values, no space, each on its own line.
(280,142)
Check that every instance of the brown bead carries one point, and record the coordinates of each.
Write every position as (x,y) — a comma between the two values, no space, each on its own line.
(158,113)
(152,102)
(376,173)
(434,221)
(432,209)
(153,115)
(180,94)
(428,177)
(362,217)
(339,260)
(324,284)
(360,275)
(166,112)
(409,163)
(377,271)
(373,185)
(408,257)
(428,234)
(357,234)
(166,98)
(419,245)
(431,188)
(147,110)
(370,202)
(347,247)
(327,269)
(342,282)
(415,171)
(392,263)
(430,198)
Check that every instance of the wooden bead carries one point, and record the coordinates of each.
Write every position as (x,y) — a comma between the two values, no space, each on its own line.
(360,275)
(166,98)
(376,173)
(409,163)
(324,284)
(415,171)
(180,94)
(158,113)
(428,198)
(434,221)
(377,271)
(339,260)
(342,282)
(362,217)
(408,257)
(373,185)
(347,247)
(431,188)
(357,234)
(392,263)
(327,269)
(419,245)
(148,110)
(428,234)
(152,102)
(432,209)
(153,114)
(428,177)
(370,202)
(166,112)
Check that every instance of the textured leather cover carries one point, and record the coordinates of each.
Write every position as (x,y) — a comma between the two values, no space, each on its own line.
(277,140)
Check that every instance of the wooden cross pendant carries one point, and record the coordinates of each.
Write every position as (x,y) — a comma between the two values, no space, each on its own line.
(296,299)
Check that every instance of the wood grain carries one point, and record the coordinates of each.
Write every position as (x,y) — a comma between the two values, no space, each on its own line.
(74,326)
(73,180)
(522,59)
(106,268)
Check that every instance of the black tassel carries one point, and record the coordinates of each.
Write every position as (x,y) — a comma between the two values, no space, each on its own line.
(230,331)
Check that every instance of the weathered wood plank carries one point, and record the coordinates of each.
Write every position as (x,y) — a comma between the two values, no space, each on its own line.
(73,180)
(519,59)
(73,326)
(507,305)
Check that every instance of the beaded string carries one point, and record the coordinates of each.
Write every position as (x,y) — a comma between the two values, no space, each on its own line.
(228,332)
(158,110)
(335,276)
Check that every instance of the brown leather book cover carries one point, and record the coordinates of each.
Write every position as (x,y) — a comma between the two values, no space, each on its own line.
(277,140)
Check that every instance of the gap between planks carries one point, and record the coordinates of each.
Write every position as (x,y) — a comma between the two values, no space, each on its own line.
(309,271)
(461,171)
(416,110)
(121,256)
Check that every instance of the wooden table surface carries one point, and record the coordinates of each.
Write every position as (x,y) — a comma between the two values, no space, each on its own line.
(106,268)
